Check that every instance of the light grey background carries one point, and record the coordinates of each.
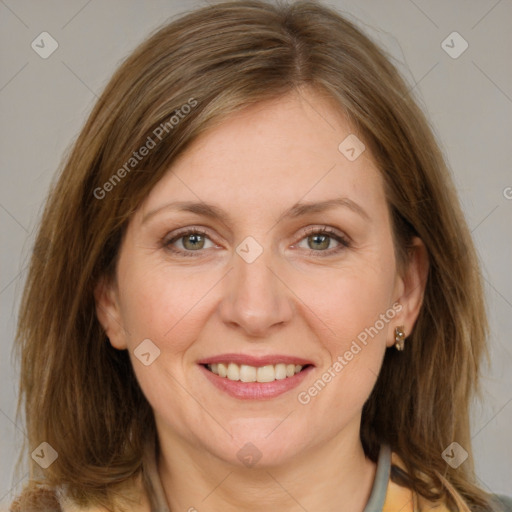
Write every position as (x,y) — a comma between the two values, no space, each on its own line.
(44,103)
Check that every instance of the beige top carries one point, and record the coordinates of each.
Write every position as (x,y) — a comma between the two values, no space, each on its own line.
(375,503)
(386,496)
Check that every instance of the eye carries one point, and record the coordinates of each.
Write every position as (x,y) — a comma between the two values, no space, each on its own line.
(319,240)
(191,240)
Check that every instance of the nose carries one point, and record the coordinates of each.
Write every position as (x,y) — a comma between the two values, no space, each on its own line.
(256,298)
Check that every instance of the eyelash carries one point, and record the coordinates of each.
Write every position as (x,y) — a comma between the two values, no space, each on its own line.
(325,230)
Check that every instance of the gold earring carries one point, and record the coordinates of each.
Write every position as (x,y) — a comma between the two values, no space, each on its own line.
(399,338)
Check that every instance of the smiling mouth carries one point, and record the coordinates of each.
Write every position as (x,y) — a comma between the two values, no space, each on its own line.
(246,373)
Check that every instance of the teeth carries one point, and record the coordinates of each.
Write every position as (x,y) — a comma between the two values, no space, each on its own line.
(266,374)
(246,373)
(233,371)
(222,370)
(281,371)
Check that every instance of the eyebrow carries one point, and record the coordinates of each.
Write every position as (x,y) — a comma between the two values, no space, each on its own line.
(297,210)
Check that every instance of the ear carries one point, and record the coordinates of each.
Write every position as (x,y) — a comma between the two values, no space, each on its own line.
(411,288)
(109,313)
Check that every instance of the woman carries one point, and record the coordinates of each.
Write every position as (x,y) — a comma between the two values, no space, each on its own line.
(253,284)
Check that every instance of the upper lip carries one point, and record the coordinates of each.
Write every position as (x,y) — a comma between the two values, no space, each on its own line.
(270,359)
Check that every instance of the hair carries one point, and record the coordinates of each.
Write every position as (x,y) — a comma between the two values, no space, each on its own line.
(81,395)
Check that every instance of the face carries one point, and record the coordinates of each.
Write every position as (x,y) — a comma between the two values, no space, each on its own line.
(263,289)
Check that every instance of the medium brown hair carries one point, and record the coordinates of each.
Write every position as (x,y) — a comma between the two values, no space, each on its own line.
(81,395)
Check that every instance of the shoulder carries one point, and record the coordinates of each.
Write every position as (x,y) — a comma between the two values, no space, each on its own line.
(134,498)
(36,498)
(44,499)
(404,499)
(67,505)
(505,502)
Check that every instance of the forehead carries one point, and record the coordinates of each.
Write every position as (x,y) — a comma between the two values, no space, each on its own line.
(273,153)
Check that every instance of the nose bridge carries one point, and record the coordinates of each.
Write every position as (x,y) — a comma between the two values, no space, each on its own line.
(256,298)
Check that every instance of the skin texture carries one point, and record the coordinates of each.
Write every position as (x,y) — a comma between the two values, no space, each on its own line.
(291,300)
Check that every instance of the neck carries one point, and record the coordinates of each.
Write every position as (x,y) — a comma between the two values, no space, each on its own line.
(333,477)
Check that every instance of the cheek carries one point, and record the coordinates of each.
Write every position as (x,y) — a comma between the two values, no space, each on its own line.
(352,303)
(163,306)
(353,347)
(165,309)
(352,317)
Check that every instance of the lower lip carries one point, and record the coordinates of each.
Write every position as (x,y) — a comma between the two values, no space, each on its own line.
(255,390)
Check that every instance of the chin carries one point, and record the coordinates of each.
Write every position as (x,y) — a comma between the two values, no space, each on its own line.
(264,442)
